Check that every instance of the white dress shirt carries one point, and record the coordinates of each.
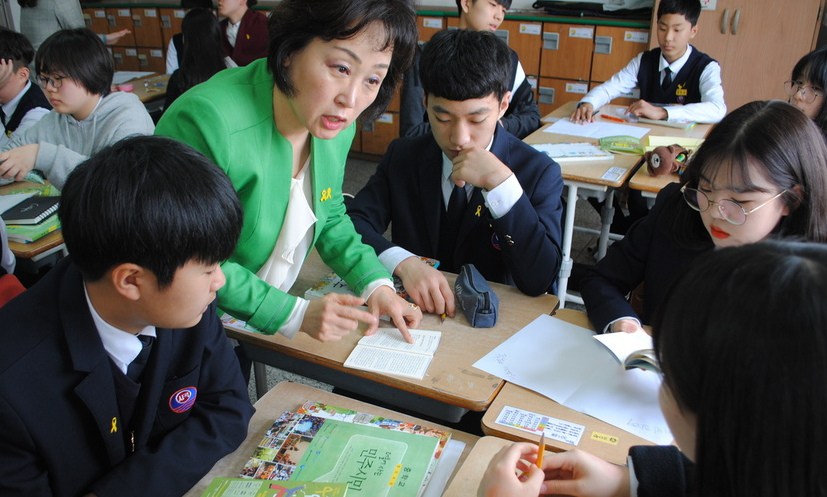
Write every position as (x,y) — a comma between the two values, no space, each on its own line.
(710,109)
(29,120)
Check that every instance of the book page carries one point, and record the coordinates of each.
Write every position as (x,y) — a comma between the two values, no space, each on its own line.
(425,341)
(621,345)
(388,361)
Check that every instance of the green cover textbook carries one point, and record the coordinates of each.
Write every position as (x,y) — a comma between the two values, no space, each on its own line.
(374,462)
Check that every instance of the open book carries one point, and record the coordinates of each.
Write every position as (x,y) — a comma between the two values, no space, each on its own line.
(633,350)
(386,352)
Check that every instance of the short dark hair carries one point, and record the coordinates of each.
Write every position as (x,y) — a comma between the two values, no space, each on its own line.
(813,68)
(196,4)
(742,343)
(151,201)
(294,24)
(504,3)
(15,47)
(690,9)
(79,54)
(460,64)
(784,145)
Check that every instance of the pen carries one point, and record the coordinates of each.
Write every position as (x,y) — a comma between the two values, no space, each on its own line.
(613,118)
(541,449)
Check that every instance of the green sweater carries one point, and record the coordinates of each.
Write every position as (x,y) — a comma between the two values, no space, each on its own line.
(230,119)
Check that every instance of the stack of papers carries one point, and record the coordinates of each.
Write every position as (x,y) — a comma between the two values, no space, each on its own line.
(571,152)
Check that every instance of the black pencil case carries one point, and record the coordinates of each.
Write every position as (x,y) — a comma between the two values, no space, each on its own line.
(475,297)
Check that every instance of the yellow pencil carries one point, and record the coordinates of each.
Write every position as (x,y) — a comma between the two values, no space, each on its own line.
(442,317)
(540,450)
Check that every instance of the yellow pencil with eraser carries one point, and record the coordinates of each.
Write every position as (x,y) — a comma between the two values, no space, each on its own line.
(541,450)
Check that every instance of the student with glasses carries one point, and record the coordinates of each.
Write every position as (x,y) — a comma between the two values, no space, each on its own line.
(75,71)
(806,88)
(761,173)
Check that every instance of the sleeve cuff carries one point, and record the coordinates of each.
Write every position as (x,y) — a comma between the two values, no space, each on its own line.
(608,328)
(633,483)
(391,257)
(294,322)
(368,291)
(502,198)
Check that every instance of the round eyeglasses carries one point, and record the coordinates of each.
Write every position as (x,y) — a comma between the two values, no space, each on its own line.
(730,210)
(55,81)
(808,93)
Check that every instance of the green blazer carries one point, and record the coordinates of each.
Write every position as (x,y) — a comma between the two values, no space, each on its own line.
(230,119)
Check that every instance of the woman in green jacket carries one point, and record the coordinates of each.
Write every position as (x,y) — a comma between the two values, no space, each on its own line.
(281,129)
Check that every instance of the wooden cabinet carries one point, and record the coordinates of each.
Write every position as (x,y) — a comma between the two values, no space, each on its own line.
(614,47)
(427,26)
(126,59)
(757,43)
(151,59)
(119,19)
(377,135)
(567,51)
(147,27)
(171,20)
(96,20)
(525,38)
(554,92)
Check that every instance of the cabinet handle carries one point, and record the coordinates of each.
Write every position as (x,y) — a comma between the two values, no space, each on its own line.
(724,21)
(736,21)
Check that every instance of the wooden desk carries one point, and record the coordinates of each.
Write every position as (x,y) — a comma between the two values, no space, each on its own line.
(289,396)
(452,385)
(150,88)
(36,251)
(611,443)
(587,177)
(467,479)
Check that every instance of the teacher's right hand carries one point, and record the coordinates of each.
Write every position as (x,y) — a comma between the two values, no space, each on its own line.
(334,316)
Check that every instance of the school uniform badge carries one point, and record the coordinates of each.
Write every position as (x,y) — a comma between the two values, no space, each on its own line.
(183,400)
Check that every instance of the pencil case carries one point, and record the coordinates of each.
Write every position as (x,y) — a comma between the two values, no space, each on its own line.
(475,297)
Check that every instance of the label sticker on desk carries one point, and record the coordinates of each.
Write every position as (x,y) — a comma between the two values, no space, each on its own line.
(605,438)
(531,422)
(613,174)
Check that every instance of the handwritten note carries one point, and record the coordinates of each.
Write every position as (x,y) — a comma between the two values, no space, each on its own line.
(564,362)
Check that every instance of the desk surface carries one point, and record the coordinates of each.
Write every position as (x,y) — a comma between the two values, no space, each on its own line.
(48,242)
(611,443)
(450,379)
(467,479)
(149,88)
(289,396)
(590,172)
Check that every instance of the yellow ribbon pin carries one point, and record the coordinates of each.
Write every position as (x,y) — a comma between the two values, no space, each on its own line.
(114,428)
(478,211)
(327,194)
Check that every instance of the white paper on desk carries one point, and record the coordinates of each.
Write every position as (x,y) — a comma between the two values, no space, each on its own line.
(596,129)
(563,362)
(444,468)
(622,344)
(124,76)
(9,201)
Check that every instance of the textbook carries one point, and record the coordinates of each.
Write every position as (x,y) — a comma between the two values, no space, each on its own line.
(574,152)
(32,210)
(28,233)
(244,487)
(372,461)
(387,352)
(669,124)
(632,350)
(333,283)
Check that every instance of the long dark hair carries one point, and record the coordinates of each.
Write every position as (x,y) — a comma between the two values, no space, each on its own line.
(742,343)
(771,138)
(203,55)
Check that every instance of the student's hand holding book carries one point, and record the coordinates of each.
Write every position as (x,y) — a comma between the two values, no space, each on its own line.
(426,286)
(18,162)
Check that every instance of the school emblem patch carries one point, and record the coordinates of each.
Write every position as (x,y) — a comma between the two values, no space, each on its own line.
(183,400)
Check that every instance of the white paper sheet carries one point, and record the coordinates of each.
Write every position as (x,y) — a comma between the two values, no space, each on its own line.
(596,129)
(563,362)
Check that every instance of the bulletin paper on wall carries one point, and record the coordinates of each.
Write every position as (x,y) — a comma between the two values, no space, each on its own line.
(565,363)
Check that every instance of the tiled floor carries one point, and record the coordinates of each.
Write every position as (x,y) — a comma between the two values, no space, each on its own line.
(356,175)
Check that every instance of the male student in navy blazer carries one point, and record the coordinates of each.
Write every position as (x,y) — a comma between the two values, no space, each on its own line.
(85,407)
(509,225)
